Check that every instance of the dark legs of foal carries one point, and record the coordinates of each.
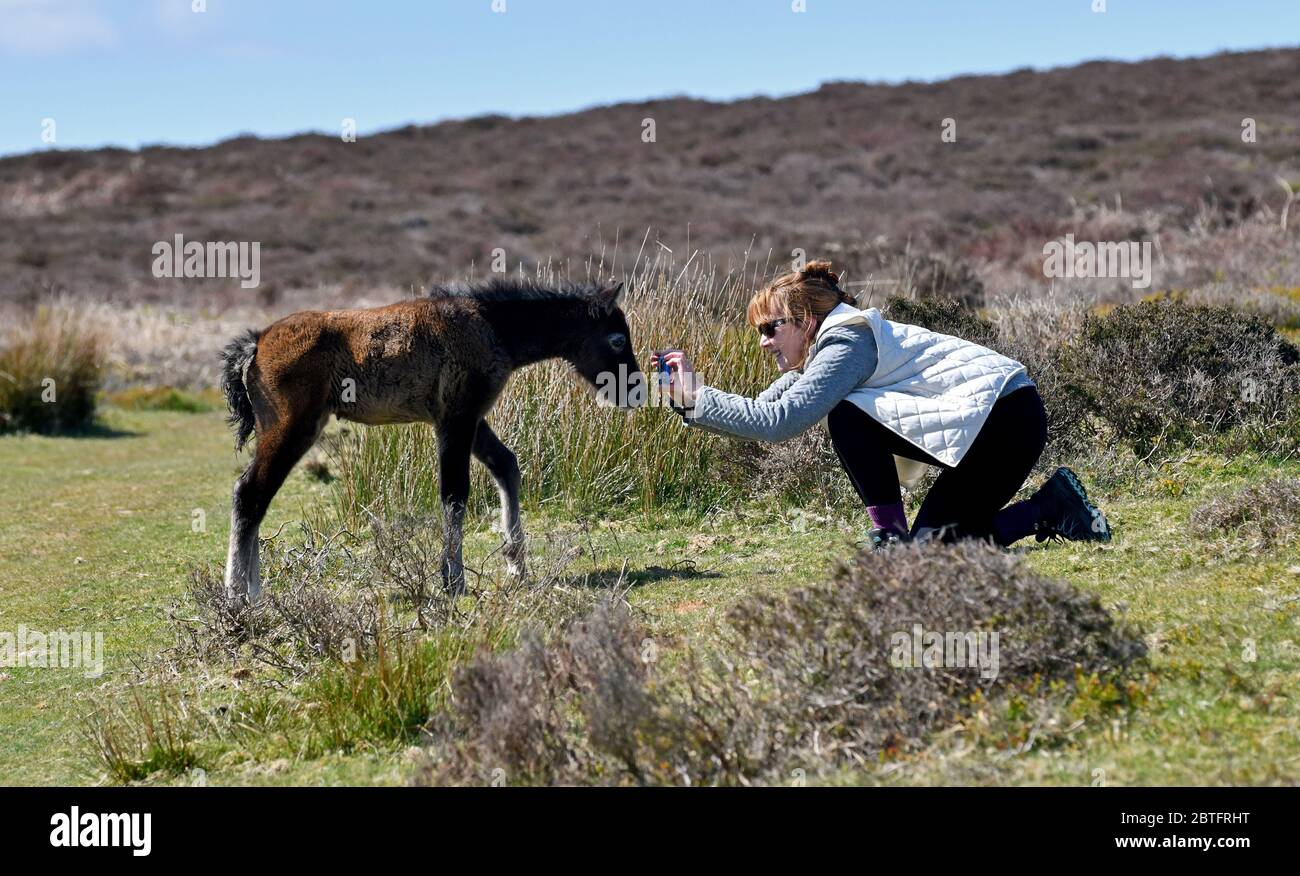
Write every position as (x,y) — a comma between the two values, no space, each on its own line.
(279,447)
(456,441)
(502,464)
(965,501)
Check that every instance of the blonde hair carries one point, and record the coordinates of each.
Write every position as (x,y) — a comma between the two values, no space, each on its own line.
(805,296)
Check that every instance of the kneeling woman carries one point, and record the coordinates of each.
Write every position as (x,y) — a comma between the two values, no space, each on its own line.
(895,398)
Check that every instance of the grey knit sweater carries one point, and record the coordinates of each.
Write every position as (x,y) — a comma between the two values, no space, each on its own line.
(795,401)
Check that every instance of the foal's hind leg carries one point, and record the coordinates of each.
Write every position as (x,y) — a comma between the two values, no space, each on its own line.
(278,450)
(504,468)
(455,441)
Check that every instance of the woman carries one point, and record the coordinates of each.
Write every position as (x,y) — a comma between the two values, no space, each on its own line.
(894,395)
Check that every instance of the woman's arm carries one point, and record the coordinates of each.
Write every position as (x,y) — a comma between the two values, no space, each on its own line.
(771,394)
(778,387)
(847,359)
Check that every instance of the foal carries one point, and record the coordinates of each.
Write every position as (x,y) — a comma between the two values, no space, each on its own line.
(442,359)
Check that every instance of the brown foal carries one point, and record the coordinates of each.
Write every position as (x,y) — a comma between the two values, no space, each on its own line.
(442,359)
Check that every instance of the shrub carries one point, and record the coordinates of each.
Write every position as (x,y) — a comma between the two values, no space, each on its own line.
(1263,515)
(331,599)
(822,656)
(805,680)
(321,601)
(545,714)
(1163,374)
(944,315)
(51,367)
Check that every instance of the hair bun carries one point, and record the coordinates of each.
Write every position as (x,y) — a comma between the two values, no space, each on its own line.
(821,271)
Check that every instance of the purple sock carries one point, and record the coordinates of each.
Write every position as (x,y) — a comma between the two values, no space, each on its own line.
(888,517)
(1014,522)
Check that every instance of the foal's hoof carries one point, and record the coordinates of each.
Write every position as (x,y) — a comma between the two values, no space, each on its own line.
(241,599)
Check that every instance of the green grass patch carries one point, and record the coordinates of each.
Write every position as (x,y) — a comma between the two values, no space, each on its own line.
(166,398)
(101,533)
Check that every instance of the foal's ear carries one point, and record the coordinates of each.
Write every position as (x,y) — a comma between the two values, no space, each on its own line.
(609,298)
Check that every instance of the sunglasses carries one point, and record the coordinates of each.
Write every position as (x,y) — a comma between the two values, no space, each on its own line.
(768,329)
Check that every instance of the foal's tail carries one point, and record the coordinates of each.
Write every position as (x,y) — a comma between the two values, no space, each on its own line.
(235,359)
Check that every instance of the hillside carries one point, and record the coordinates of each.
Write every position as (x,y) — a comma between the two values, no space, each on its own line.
(841,171)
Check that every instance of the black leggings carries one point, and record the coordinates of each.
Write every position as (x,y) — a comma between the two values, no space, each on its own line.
(964,499)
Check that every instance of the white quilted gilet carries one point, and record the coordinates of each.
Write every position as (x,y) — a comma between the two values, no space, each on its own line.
(934,390)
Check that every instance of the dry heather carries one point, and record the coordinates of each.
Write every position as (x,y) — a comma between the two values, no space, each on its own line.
(834,171)
(1259,516)
(1162,375)
(337,599)
(350,649)
(810,680)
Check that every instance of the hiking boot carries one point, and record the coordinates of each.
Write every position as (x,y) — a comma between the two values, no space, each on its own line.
(879,539)
(1066,511)
(935,534)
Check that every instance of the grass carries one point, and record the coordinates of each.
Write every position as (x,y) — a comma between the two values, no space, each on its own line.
(98,535)
(1222,706)
(166,398)
(51,365)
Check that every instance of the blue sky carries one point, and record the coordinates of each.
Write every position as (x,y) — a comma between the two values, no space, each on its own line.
(132,72)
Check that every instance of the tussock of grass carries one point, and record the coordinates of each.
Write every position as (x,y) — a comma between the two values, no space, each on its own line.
(51,367)
(149,730)
(387,697)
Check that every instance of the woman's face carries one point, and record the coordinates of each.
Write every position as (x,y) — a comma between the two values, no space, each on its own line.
(786,343)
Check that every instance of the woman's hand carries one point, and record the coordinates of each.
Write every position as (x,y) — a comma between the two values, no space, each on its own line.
(684,384)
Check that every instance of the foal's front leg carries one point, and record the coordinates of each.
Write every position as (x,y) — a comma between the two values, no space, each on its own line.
(454,444)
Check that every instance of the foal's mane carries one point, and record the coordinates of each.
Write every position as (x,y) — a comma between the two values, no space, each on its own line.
(506,290)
